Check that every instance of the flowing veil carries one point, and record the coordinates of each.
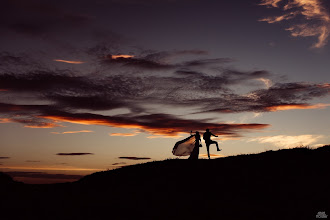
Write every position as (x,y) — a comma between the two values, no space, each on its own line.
(184,147)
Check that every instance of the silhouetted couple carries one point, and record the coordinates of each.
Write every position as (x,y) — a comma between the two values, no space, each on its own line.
(207,138)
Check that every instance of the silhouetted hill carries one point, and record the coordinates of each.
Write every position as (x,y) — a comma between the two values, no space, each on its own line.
(5,179)
(283,184)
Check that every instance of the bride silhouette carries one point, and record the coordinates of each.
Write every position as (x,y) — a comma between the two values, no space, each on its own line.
(189,146)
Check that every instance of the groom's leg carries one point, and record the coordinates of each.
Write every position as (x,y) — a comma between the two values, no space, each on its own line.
(208,150)
(216,143)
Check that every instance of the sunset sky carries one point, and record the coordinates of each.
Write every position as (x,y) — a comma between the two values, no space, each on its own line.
(87,86)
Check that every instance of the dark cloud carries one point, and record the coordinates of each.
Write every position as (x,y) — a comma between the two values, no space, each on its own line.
(205,62)
(188,73)
(43,175)
(74,154)
(42,81)
(279,95)
(37,17)
(8,59)
(162,124)
(32,161)
(135,158)
(136,63)
(168,56)
(2,158)
(67,96)
(114,164)
(165,60)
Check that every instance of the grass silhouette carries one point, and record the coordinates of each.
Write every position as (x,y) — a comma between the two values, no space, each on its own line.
(284,184)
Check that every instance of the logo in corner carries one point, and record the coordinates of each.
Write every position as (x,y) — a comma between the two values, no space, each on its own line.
(321,215)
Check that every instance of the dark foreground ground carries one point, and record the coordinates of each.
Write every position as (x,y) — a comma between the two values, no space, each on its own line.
(284,184)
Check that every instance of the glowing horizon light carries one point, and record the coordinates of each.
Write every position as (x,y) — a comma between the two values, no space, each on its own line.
(69,61)
(51,168)
(121,56)
(288,141)
(212,155)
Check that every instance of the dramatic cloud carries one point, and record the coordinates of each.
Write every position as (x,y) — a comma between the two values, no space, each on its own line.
(159,124)
(281,96)
(284,141)
(2,158)
(316,18)
(136,97)
(72,132)
(74,154)
(32,161)
(135,158)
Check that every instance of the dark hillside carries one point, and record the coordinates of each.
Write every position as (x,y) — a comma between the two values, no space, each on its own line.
(283,184)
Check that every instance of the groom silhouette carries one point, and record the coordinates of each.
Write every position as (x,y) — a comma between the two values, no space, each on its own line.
(207,138)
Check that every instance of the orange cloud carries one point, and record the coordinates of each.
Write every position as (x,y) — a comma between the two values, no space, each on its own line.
(5,120)
(324,86)
(297,106)
(69,61)
(268,83)
(33,125)
(310,10)
(159,125)
(273,3)
(42,125)
(124,134)
(91,121)
(121,56)
(72,132)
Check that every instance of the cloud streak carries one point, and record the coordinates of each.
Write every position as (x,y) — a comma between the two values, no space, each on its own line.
(124,134)
(316,18)
(74,154)
(158,124)
(120,163)
(72,132)
(69,61)
(297,106)
(135,158)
